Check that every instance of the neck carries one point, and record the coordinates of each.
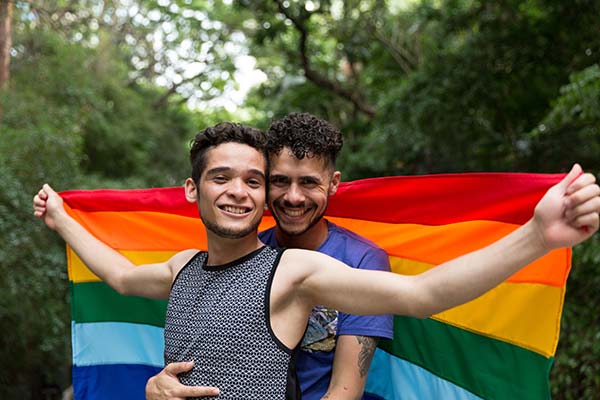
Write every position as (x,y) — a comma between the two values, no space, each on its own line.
(312,239)
(223,250)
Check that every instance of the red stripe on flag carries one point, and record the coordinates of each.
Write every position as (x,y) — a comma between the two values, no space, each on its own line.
(502,197)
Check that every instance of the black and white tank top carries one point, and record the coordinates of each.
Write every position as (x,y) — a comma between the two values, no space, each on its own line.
(218,316)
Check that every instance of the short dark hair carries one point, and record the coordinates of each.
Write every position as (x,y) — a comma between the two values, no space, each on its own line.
(306,136)
(223,132)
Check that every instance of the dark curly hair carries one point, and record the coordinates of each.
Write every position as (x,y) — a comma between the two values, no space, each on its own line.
(223,132)
(306,136)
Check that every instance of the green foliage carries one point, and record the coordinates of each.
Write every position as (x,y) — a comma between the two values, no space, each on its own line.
(40,142)
(457,85)
(570,131)
(70,118)
(34,307)
(122,134)
(576,371)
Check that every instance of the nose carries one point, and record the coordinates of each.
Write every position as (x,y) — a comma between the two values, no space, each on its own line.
(294,195)
(237,189)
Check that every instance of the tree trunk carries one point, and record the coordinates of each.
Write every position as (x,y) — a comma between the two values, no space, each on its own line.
(6,11)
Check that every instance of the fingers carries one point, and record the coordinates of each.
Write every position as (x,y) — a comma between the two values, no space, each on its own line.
(179,367)
(48,189)
(195,391)
(166,384)
(188,391)
(585,195)
(582,202)
(39,203)
(580,182)
(571,177)
(42,194)
(588,222)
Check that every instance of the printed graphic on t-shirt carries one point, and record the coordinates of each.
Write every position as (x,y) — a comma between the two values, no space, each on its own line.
(321,331)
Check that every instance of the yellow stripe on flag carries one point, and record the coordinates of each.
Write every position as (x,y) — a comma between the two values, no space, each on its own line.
(520,316)
(78,272)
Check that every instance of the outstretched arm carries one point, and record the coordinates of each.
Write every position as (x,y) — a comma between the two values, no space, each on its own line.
(152,280)
(565,216)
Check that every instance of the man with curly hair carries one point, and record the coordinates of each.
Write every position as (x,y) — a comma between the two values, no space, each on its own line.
(337,348)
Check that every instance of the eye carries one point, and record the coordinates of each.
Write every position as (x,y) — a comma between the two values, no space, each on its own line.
(309,182)
(220,179)
(254,183)
(279,180)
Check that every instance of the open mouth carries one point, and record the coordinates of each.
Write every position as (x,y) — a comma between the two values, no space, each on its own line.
(235,209)
(294,212)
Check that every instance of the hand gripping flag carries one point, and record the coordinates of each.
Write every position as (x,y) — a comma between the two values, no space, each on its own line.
(499,346)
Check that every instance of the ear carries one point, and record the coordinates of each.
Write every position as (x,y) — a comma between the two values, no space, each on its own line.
(335,182)
(191,191)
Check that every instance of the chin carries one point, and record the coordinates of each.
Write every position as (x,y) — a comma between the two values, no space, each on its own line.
(297,231)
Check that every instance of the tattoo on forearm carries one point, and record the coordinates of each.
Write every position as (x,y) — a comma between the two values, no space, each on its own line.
(368,345)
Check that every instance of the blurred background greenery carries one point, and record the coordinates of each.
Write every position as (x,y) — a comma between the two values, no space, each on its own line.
(107,94)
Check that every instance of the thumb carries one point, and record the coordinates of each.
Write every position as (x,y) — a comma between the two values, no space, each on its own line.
(179,367)
(575,173)
(48,189)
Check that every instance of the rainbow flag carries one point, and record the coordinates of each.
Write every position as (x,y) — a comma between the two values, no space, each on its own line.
(498,346)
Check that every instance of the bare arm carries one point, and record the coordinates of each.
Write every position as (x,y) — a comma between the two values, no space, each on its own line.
(352,359)
(566,215)
(151,280)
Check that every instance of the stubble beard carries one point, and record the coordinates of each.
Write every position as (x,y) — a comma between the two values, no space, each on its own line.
(311,223)
(228,233)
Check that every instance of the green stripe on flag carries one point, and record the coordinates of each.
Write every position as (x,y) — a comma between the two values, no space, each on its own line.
(97,302)
(489,368)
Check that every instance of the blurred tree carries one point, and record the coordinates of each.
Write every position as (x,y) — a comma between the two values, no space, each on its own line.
(6,11)
(455,85)
(74,118)
(570,132)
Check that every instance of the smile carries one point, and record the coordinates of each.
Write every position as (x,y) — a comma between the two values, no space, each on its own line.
(235,210)
(294,212)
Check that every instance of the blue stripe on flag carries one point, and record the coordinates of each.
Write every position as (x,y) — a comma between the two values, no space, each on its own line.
(97,343)
(393,378)
(115,382)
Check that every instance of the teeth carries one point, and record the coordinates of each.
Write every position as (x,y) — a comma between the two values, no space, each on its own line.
(234,210)
(294,213)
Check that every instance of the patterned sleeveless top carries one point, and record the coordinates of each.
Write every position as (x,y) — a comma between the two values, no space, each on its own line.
(219,317)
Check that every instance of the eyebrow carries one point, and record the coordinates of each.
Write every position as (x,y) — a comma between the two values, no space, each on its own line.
(303,178)
(219,170)
(278,176)
(310,178)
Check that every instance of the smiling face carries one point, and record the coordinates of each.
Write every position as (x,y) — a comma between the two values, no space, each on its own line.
(299,191)
(231,190)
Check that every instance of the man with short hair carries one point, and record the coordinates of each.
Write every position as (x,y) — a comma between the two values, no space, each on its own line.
(240,309)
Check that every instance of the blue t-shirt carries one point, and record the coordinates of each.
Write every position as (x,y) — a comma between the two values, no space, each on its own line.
(315,360)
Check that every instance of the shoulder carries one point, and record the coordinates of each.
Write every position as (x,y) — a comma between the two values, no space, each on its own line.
(181,259)
(298,258)
(268,237)
(354,249)
(338,233)
(300,264)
